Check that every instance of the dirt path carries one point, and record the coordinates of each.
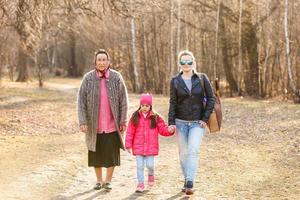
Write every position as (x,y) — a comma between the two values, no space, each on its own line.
(43,156)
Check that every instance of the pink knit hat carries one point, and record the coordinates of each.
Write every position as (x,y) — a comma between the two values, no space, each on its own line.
(146,99)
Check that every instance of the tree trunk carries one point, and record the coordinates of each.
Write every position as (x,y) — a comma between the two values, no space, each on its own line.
(250,49)
(217,40)
(151,61)
(136,71)
(23,74)
(158,89)
(226,61)
(54,57)
(194,41)
(240,56)
(1,64)
(203,54)
(49,53)
(266,73)
(292,84)
(278,80)
(270,85)
(130,66)
(11,72)
(73,67)
(265,77)
(251,71)
(186,29)
(50,49)
(134,56)
(147,84)
(298,67)
(40,71)
(178,26)
(23,57)
(287,45)
(173,67)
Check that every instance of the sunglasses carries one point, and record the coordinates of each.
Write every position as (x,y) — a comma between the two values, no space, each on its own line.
(183,62)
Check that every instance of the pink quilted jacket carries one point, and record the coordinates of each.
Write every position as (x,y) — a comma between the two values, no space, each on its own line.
(142,139)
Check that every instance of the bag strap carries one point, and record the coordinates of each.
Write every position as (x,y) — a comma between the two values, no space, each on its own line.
(215,92)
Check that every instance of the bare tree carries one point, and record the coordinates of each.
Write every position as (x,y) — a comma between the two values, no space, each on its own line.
(217,39)
(238,41)
(171,63)
(134,53)
(296,92)
(240,62)
(178,26)
(225,47)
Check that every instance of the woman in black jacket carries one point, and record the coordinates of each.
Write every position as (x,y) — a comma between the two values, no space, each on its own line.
(188,115)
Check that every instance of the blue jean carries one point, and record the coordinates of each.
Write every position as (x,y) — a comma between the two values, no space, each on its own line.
(140,165)
(189,137)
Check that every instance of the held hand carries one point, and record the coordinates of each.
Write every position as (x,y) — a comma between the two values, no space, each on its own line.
(83,128)
(202,124)
(172,128)
(123,128)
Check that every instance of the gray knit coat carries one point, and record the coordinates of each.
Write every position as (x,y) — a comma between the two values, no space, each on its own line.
(88,104)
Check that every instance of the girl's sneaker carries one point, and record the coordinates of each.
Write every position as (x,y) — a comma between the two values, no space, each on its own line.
(107,186)
(98,186)
(140,188)
(150,180)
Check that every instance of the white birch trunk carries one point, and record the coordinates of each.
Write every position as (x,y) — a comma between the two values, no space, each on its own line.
(288,50)
(134,54)
(40,36)
(54,61)
(145,45)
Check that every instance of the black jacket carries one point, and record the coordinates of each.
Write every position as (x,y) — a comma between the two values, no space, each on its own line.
(188,105)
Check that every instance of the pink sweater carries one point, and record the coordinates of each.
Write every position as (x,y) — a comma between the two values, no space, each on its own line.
(106,121)
(142,138)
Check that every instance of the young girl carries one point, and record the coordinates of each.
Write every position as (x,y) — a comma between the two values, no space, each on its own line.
(142,138)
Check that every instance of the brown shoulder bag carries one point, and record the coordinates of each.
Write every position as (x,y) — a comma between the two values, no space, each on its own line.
(215,118)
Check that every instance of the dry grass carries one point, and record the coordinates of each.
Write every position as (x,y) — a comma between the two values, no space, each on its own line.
(256,156)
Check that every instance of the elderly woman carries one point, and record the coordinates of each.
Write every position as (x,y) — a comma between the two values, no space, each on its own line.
(188,115)
(102,114)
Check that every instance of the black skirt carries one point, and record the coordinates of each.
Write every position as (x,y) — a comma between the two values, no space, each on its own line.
(107,151)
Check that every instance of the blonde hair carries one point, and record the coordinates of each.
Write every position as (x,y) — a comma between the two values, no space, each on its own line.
(187,52)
